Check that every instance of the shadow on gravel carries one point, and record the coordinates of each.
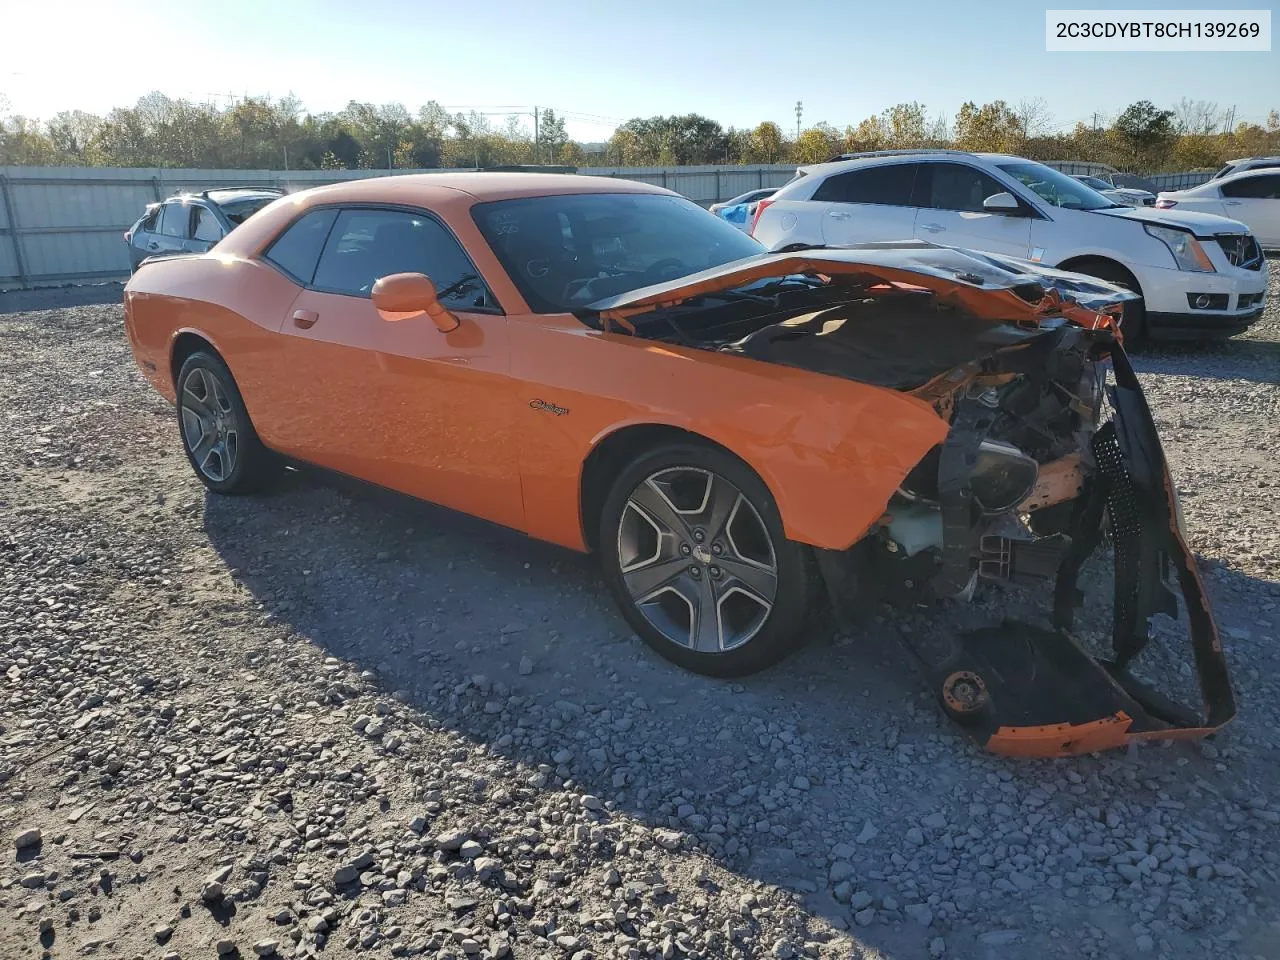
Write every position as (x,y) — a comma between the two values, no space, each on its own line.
(427,598)
(1239,358)
(424,596)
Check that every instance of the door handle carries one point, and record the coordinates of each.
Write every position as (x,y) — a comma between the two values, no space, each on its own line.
(839,215)
(1231,203)
(933,227)
(153,245)
(304,318)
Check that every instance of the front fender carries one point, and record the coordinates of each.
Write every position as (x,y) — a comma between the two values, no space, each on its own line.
(831,451)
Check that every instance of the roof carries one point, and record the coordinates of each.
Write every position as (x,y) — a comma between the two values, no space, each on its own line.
(448,195)
(906,156)
(424,187)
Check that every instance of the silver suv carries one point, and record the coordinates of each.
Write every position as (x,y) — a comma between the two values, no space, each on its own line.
(192,223)
(1246,163)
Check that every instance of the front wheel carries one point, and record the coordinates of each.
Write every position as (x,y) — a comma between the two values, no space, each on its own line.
(1134,323)
(693,550)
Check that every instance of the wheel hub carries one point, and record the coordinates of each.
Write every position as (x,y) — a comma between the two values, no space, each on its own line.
(697,559)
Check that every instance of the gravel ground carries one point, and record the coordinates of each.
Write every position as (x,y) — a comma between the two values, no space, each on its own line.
(331,721)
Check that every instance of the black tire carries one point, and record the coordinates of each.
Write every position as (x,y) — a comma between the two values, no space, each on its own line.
(773,633)
(1134,323)
(204,377)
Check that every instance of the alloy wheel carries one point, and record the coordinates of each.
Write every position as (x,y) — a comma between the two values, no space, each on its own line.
(697,559)
(209,425)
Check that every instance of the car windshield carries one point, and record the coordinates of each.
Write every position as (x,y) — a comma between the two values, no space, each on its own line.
(1057,188)
(564,252)
(1094,182)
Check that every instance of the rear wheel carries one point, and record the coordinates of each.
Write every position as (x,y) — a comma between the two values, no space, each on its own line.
(1134,324)
(217,435)
(693,549)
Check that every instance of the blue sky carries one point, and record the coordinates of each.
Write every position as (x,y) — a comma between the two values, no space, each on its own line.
(738,62)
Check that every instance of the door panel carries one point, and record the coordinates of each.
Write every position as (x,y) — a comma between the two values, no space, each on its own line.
(848,223)
(1255,200)
(990,232)
(205,230)
(950,197)
(1261,215)
(173,230)
(403,405)
(871,204)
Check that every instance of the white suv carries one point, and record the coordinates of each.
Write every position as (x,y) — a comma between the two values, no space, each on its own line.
(1199,274)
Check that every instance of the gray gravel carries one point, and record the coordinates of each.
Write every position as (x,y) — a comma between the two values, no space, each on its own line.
(331,721)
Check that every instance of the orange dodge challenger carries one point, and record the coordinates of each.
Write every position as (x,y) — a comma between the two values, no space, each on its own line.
(606,366)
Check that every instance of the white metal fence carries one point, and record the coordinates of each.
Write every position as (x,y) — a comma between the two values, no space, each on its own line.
(61,225)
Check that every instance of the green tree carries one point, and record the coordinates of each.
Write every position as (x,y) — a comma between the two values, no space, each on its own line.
(906,125)
(1144,134)
(817,144)
(551,135)
(870,134)
(991,128)
(767,143)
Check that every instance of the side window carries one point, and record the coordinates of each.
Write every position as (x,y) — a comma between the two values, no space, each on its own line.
(297,249)
(889,184)
(1265,187)
(151,220)
(207,226)
(368,244)
(175,220)
(955,186)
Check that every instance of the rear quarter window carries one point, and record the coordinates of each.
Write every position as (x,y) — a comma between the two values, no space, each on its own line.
(889,185)
(297,250)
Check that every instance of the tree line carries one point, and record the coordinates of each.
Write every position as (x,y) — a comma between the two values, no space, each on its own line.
(266,133)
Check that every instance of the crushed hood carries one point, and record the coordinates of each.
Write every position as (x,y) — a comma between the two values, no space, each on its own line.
(1204,225)
(992,287)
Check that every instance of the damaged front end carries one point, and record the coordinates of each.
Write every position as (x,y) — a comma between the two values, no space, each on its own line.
(1027,486)
(1030,481)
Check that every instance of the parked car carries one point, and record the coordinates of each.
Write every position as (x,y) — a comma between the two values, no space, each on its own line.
(1129,196)
(741,208)
(606,366)
(1246,163)
(1252,197)
(192,223)
(1199,275)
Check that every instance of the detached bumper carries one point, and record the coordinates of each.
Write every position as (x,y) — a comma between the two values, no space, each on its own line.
(1200,325)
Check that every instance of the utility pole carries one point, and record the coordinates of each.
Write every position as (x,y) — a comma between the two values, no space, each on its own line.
(286,156)
(535,134)
(799,111)
(388,158)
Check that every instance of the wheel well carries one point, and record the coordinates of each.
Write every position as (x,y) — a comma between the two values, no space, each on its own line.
(184,345)
(1081,264)
(610,456)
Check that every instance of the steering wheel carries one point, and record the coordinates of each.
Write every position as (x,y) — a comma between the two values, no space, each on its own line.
(668,269)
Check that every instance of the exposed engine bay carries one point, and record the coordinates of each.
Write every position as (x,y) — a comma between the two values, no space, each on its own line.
(1032,477)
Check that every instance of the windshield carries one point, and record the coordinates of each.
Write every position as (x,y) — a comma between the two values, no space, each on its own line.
(1095,183)
(564,252)
(1057,188)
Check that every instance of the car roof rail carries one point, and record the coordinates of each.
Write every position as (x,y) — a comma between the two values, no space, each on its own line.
(244,186)
(896,153)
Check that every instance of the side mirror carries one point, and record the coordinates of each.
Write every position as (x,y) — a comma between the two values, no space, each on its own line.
(403,296)
(1004,202)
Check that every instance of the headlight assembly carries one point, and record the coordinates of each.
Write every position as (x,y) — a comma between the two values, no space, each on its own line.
(1003,477)
(1186,249)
